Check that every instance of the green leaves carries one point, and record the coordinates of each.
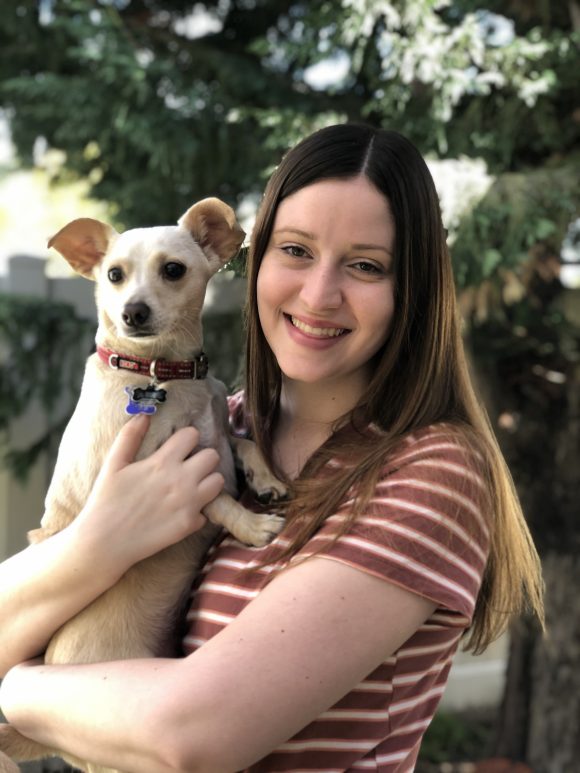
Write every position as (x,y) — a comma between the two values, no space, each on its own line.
(179,113)
(43,348)
(520,212)
(491,260)
(32,367)
(541,229)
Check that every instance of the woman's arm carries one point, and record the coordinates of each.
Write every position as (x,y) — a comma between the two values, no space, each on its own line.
(314,633)
(41,588)
(48,583)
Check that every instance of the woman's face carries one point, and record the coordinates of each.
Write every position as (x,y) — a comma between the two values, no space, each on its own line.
(325,288)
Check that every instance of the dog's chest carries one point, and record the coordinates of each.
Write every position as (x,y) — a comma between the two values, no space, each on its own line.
(109,402)
(101,413)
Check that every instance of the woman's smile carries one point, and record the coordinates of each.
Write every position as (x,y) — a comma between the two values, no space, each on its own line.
(317,330)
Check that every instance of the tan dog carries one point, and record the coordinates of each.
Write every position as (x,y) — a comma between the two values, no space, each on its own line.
(150,289)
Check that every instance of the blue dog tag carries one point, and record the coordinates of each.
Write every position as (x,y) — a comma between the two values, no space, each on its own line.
(144,400)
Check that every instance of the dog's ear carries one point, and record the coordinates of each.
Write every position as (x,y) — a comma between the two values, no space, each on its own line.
(213,224)
(83,243)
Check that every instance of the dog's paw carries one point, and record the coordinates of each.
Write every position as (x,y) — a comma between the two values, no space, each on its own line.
(35,536)
(271,495)
(266,487)
(257,474)
(263,528)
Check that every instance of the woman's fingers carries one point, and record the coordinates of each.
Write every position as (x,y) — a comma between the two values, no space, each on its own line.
(154,502)
(180,445)
(210,487)
(202,463)
(127,443)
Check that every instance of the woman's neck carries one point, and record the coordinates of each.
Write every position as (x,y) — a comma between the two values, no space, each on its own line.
(308,415)
(318,404)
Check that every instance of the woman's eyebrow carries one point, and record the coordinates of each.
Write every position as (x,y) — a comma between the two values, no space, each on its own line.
(371,247)
(298,231)
(312,236)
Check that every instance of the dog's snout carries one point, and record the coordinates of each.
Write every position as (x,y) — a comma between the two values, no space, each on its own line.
(136,314)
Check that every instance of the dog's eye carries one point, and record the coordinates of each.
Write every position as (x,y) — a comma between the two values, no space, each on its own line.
(173,270)
(115,275)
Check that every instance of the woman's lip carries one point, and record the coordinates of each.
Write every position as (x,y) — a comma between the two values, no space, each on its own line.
(315,329)
(315,324)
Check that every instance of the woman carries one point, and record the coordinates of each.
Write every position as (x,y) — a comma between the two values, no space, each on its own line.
(330,648)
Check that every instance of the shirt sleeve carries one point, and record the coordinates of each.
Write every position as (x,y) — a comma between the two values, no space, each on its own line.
(424,528)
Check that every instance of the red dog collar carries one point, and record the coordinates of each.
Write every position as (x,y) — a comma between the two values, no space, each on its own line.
(160,370)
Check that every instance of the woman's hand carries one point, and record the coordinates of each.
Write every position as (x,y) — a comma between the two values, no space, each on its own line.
(138,508)
(135,510)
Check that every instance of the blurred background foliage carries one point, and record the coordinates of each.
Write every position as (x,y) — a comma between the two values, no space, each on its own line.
(33,368)
(157,104)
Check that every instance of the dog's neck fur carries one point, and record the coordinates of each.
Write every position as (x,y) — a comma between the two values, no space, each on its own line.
(167,347)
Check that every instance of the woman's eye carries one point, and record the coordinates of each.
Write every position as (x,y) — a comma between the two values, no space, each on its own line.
(115,275)
(173,271)
(295,251)
(368,268)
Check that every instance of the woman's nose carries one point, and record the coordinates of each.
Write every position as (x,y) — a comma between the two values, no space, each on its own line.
(322,288)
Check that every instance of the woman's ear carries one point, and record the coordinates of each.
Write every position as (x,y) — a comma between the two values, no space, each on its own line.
(213,225)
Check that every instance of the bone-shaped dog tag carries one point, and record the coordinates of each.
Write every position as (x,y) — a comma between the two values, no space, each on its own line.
(144,400)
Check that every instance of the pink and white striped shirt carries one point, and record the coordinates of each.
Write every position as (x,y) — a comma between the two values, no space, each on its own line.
(422,530)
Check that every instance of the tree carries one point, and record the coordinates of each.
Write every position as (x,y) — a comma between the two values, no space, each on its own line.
(525,337)
(155,116)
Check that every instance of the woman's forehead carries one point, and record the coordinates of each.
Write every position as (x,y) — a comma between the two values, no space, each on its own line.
(352,208)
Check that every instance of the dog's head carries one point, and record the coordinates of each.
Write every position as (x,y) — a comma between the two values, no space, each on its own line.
(151,281)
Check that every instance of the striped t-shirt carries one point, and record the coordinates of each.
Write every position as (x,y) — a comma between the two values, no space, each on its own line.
(422,530)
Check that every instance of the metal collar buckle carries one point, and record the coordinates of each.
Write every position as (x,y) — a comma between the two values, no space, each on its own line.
(201,363)
(114,361)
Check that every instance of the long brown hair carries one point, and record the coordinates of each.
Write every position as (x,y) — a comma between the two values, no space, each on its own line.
(420,375)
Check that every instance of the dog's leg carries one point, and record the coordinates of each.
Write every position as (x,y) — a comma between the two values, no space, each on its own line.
(256,529)
(256,471)
(7,766)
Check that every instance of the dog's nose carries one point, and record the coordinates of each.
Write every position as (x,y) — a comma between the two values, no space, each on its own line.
(136,314)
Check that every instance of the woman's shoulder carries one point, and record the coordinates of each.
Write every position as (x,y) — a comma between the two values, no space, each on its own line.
(425,524)
(441,447)
(438,473)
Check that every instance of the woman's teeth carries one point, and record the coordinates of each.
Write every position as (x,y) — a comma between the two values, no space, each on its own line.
(322,332)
